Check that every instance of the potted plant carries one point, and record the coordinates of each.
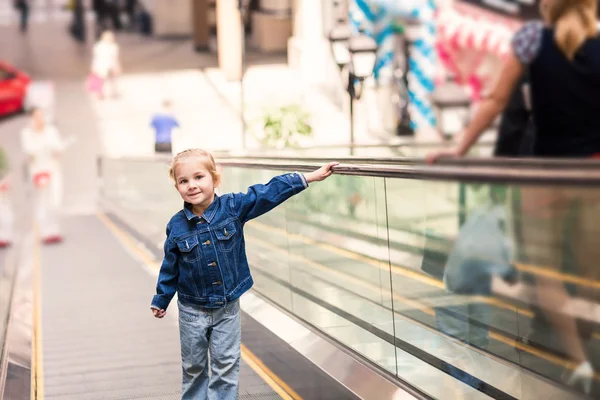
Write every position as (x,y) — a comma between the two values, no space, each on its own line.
(283,127)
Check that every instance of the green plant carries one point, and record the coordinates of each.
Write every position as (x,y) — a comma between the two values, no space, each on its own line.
(282,127)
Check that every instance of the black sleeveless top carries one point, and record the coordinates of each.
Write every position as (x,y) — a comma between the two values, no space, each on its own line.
(565,94)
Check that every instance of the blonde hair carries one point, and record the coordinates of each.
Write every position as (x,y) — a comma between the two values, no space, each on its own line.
(574,22)
(210,165)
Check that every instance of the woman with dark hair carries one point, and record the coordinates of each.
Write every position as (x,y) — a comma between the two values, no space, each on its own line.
(562,57)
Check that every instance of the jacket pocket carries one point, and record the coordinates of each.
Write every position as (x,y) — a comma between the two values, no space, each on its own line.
(189,249)
(225,236)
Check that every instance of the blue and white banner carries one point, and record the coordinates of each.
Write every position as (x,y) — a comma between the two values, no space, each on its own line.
(382,19)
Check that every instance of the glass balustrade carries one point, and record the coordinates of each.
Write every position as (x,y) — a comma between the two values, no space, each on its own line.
(461,290)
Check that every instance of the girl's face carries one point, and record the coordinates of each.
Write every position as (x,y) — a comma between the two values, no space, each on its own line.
(194,181)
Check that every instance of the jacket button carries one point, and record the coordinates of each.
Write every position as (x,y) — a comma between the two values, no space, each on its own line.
(207,242)
(212,264)
(217,283)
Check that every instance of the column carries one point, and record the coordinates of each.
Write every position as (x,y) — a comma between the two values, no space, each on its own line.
(308,49)
(229,39)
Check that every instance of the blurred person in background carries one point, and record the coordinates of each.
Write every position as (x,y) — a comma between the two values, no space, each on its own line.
(165,127)
(562,56)
(101,13)
(43,146)
(107,15)
(130,9)
(23,7)
(78,27)
(6,215)
(106,65)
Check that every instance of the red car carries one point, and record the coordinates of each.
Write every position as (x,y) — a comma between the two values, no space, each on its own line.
(13,89)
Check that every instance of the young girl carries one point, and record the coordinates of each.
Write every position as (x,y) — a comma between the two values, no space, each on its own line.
(205,263)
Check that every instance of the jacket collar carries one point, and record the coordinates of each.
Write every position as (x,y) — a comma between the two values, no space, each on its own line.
(208,214)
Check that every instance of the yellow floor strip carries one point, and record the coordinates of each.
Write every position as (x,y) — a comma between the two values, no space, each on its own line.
(558,276)
(129,242)
(37,362)
(271,379)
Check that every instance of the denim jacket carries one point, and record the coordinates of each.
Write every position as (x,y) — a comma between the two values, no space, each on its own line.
(205,257)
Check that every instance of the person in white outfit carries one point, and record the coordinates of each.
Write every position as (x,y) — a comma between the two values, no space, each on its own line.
(43,145)
(6,215)
(105,63)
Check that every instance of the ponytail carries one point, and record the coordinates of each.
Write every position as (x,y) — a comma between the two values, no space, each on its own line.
(575,22)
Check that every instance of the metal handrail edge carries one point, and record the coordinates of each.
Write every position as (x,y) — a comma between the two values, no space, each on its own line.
(517,173)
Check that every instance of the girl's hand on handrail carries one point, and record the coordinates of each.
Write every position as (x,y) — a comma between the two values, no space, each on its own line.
(322,173)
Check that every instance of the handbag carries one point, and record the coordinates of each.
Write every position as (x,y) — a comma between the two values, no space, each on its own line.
(481,249)
(41,179)
(94,83)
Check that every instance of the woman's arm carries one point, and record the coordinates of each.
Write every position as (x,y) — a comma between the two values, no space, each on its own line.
(488,110)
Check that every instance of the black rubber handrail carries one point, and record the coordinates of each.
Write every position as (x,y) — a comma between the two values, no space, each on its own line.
(576,163)
(478,174)
(493,162)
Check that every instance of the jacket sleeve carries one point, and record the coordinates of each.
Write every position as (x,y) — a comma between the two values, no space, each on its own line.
(168,276)
(263,198)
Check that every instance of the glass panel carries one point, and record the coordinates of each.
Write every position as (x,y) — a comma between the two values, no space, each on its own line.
(463,290)
(336,289)
(556,232)
(143,192)
(463,294)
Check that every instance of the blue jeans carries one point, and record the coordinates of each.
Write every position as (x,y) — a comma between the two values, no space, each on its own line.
(216,331)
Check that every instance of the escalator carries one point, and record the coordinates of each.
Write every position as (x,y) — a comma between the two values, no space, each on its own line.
(361,259)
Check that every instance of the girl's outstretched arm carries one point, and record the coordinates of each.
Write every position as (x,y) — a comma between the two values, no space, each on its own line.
(262,198)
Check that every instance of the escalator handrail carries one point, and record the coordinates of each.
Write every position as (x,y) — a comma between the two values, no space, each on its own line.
(478,174)
(464,162)
(493,162)
(583,173)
